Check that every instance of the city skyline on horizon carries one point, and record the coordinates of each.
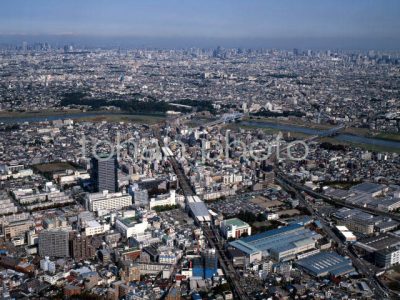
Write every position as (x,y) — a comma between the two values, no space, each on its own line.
(287,24)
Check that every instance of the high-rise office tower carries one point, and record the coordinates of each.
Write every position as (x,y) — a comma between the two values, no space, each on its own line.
(104,174)
(54,243)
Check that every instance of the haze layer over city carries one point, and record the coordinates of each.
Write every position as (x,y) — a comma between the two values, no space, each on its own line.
(199,149)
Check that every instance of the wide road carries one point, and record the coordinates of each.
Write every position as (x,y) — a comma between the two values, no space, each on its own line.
(228,269)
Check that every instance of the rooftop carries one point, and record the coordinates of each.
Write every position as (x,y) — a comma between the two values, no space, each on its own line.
(367,187)
(379,242)
(199,210)
(271,233)
(324,263)
(278,240)
(236,222)
(129,221)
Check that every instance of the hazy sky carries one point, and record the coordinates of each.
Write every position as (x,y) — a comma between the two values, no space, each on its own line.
(229,19)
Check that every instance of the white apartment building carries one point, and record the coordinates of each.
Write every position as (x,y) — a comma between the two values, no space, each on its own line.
(165,199)
(131,226)
(395,257)
(107,201)
(232,178)
(167,258)
(93,227)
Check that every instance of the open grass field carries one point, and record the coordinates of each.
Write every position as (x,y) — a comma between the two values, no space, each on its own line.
(91,116)
(144,119)
(290,121)
(42,113)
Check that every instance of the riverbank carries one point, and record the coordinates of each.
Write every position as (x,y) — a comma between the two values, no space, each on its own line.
(367,143)
(369,147)
(295,135)
(289,121)
(387,136)
(79,116)
(42,113)
(364,132)
(145,119)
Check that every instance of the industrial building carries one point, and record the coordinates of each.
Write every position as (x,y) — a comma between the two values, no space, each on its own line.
(382,250)
(361,222)
(281,244)
(373,189)
(326,264)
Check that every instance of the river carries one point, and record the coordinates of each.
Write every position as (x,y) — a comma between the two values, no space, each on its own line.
(340,137)
(284,127)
